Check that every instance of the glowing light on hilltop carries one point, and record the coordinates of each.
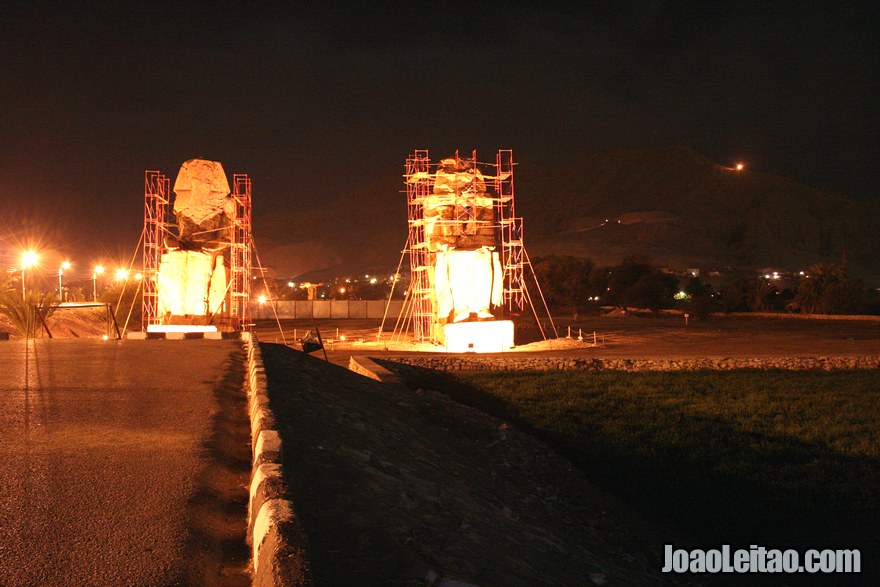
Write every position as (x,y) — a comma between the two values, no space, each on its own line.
(740,166)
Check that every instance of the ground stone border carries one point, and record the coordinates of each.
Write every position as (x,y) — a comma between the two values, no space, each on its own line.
(279,544)
(555,363)
(141,335)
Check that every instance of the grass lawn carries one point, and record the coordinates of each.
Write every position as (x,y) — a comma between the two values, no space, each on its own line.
(783,459)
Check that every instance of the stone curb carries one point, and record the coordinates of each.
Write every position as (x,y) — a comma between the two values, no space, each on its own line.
(279,545)
(139,335)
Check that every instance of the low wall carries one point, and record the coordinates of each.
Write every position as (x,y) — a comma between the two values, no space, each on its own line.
(792,316)
(549,363)
(278,543)
(326,309)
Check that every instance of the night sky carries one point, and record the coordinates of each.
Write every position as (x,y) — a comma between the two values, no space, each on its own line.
(314,100)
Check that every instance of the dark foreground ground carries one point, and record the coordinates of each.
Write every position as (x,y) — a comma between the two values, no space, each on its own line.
(785,459)
(393,484)
(123,463)
(393,487)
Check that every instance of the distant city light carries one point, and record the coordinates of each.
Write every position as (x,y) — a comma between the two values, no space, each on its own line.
(342,290)
(373,281)
(291,284)
(740,166)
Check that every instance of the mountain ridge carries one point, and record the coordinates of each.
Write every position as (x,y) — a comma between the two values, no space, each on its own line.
(670,203)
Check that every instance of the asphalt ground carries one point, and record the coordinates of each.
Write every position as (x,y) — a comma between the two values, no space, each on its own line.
(122,463)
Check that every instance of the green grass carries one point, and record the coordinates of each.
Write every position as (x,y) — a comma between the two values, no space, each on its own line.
(781,458)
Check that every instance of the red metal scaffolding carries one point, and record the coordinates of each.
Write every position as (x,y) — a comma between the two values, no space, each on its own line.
(510,228)
(157,190)
(157,198)
(420,176)
(240,254)
(418,187)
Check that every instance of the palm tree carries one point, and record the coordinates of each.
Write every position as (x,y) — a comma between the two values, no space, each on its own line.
(813,295)
(763,290)
(25,313)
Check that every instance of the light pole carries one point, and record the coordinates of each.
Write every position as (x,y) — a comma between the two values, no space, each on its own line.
(28,260)
(98,270)
(64,265)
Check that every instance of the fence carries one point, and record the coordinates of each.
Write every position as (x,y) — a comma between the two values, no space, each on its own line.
(326,309)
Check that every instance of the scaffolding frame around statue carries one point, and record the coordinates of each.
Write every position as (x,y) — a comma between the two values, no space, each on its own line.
(419,311)
(235,313)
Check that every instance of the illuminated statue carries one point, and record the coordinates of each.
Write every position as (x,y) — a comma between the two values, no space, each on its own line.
(192,274)
(203,206)
(460,232)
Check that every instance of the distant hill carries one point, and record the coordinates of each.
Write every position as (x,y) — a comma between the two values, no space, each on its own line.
(670,203)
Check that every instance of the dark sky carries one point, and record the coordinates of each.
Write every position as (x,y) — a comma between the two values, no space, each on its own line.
(316,99)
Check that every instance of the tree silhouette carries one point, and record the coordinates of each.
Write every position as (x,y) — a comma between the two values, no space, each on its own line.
(826,289)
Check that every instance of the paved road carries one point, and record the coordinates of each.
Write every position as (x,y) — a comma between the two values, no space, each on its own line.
(104,448)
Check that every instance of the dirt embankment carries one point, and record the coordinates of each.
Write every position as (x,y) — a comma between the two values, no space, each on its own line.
(405,487)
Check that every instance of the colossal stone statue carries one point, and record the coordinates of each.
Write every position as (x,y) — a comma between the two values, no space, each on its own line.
(460,232)
(193,280)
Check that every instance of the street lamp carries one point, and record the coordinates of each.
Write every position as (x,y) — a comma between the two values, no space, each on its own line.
(64,265)
(99,269)
(28,260)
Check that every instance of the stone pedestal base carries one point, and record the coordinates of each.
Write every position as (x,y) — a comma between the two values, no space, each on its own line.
(495,336)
